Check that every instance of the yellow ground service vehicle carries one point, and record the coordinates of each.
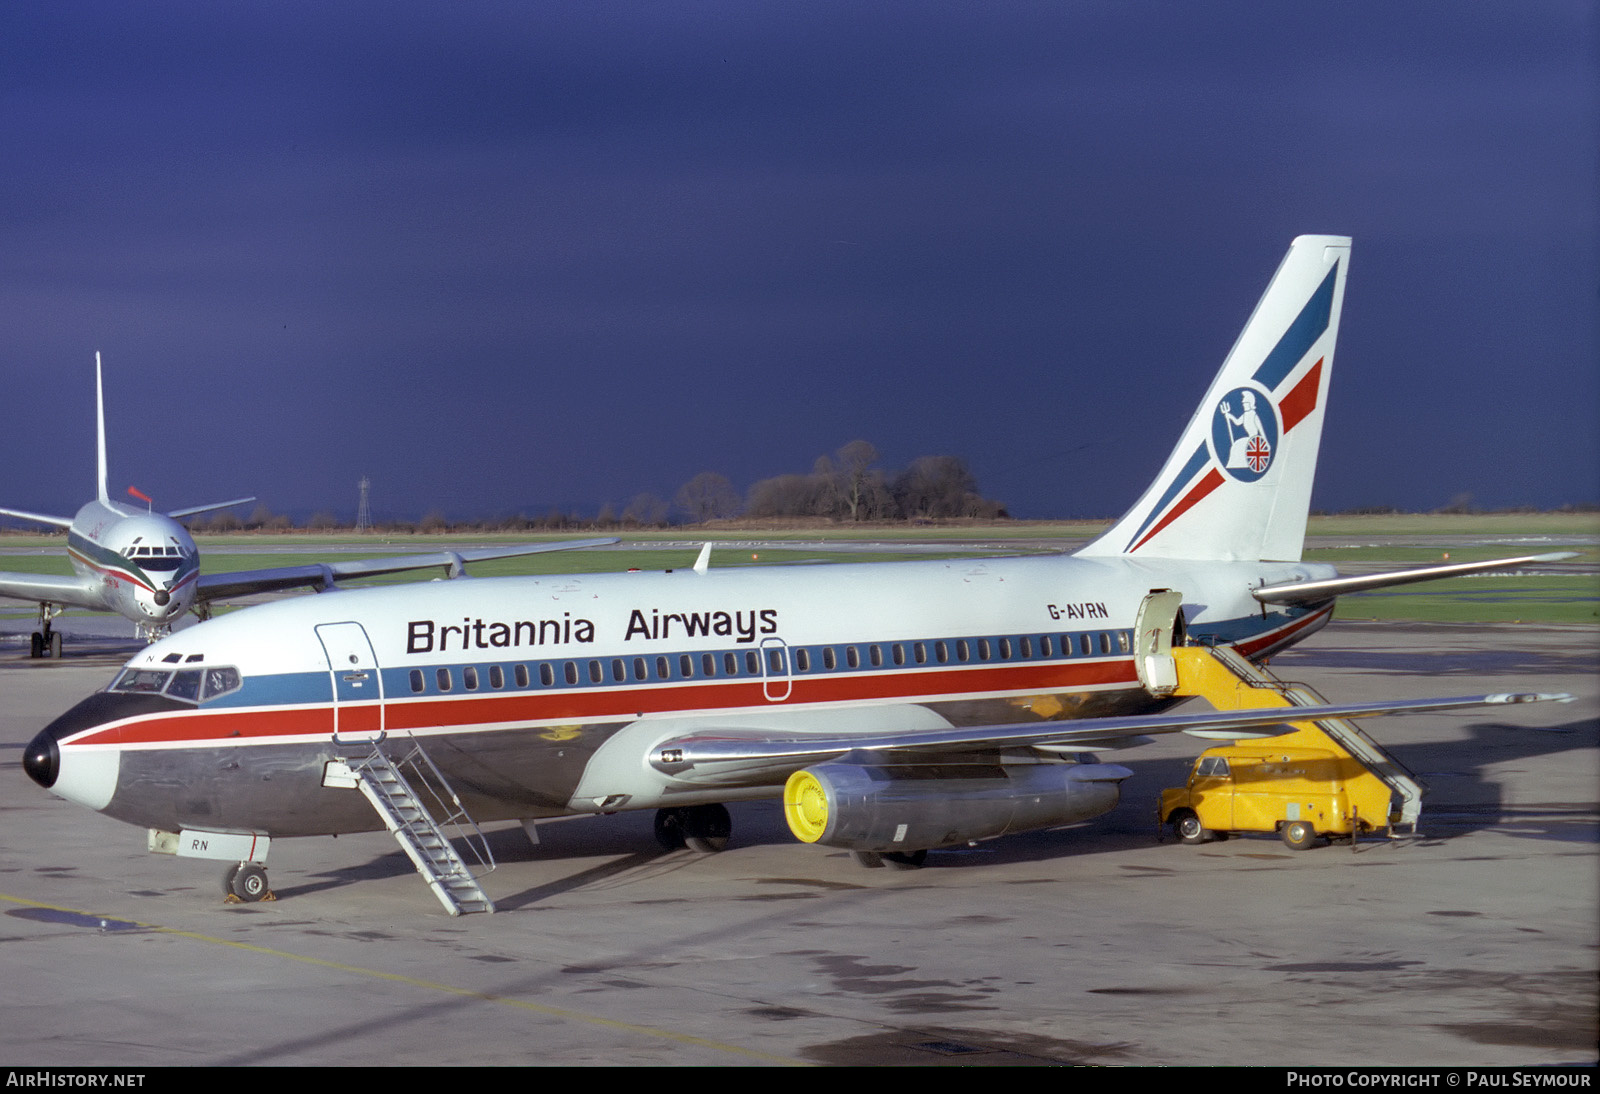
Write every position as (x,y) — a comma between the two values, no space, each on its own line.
(1323,779)
(1276,786)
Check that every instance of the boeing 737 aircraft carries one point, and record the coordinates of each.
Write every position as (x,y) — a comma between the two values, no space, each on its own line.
(896,707)
(144,566)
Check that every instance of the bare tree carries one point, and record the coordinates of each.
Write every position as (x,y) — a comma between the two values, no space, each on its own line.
(645,510)
(708,496)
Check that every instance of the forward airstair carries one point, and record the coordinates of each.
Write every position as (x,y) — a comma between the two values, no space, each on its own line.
(422,835)
(1231,682)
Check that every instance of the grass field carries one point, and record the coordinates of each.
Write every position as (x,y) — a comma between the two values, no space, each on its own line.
(1570,595)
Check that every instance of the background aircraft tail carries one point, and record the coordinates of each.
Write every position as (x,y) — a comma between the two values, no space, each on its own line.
(100,431)
(1238,485)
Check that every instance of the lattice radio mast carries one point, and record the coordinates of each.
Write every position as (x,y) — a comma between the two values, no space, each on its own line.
(364,510)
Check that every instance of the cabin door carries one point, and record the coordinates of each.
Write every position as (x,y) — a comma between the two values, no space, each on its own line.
(357,685)
(1152,641)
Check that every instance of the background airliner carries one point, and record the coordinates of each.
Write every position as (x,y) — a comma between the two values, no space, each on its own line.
(896,707)
(143,565)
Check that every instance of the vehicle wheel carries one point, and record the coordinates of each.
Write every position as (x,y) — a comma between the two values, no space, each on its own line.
(54,645)
(669,829)
(1298,834)
(250,883)
(905,860)
(1189,829)
(36,645)
(870,860)
(706,828)
(227,878)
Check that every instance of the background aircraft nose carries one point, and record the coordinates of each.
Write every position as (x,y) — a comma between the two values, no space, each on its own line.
(42,760)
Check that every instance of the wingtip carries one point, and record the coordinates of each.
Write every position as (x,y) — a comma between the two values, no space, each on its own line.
(1508,697)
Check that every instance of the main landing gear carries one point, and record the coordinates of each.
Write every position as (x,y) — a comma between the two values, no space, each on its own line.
(245,883)
(701,828)
(44,642)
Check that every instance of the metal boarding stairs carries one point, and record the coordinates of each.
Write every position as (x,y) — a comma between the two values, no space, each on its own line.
(1346,734)
(422,837)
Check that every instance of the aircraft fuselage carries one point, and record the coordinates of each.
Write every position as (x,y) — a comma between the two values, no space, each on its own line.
(543,696)
(144,564)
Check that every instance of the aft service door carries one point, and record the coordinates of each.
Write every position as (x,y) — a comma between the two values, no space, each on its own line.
(355,680)
(1152,641)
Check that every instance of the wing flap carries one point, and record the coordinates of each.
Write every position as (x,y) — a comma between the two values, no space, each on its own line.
(749,757)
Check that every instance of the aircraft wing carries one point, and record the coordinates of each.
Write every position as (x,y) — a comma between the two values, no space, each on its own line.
(749,758)
(324,575)
(41,518)
(72,592)
(1312,592)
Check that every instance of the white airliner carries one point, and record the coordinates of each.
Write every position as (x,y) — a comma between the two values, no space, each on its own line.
(144,566)
(906,705)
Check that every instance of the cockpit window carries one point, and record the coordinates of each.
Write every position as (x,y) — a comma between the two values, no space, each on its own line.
(189,685)
(185,685)
(220,681)
(141,681)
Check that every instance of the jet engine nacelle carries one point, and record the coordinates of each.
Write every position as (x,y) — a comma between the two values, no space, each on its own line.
(913,808)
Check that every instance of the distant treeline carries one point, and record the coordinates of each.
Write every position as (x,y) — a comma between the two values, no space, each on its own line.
(847,486)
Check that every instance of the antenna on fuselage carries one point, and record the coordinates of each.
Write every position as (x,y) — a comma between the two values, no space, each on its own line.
(100,427)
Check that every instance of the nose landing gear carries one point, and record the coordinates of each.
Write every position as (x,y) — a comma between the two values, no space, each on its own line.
(246,883)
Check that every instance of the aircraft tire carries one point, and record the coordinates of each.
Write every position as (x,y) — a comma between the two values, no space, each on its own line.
(1299,835)
(227,878)
(250,883)
(706,828)
(905,860)
(53,647)
(36,645)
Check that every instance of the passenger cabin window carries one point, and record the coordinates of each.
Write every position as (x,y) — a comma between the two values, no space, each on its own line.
(416,680)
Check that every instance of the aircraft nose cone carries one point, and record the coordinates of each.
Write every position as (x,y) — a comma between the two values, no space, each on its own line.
(42,760)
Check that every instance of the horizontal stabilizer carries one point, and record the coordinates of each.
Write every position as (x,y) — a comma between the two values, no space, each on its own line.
(1314,592)
(750,758)
(179,514)
(326,574)
(41,518)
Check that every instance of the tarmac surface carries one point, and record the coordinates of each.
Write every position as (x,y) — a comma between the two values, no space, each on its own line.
(1474,943)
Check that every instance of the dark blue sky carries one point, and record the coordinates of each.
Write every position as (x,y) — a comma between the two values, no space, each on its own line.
(499,256)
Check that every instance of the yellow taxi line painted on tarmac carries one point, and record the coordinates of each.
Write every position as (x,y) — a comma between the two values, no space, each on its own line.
(432,985)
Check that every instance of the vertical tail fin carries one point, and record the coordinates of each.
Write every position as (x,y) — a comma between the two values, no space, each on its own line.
(1238,485)
(100,429)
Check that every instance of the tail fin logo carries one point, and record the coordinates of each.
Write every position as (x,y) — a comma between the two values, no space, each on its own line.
(1244,443)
